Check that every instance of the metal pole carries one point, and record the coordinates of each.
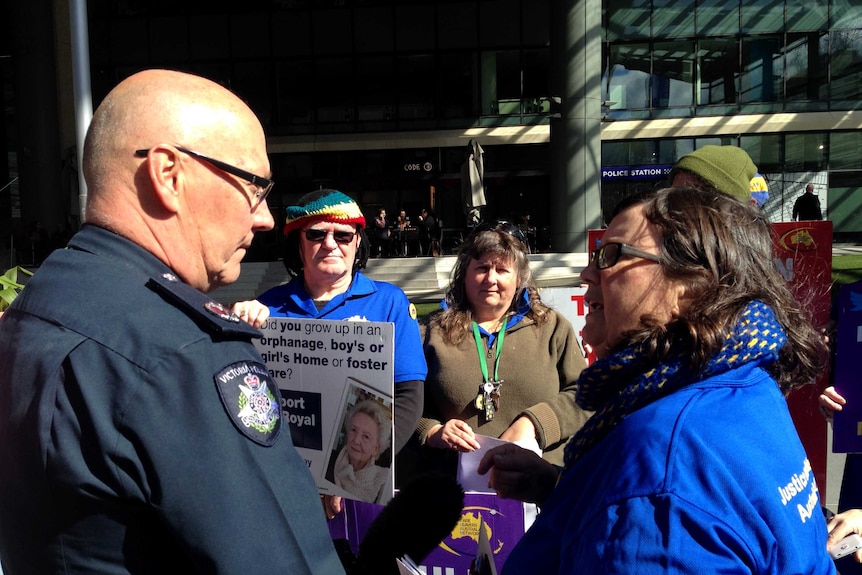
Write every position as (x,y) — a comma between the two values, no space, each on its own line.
(83,93)
(12,258)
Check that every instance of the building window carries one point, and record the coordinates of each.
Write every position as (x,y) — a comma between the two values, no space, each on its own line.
(758,78)
(416,91)
(806,152)
(627,22)
(673,79)
(672,18)
(845,151)
(334,86)
(628,76)
(804,67)
(457,91)
(501,82)
(717,62)
(718,17)
(846,68)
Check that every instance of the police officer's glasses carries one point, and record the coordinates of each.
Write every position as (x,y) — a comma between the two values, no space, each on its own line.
(264,185)
(609,254)
(340,237)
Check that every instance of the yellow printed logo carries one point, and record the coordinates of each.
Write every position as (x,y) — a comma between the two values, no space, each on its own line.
(798,239)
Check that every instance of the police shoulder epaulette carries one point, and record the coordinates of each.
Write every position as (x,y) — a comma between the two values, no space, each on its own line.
(211,315)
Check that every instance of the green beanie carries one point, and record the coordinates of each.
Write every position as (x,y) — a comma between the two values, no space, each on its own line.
(728,168)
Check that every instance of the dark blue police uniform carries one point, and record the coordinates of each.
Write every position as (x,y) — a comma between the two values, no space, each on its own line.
(140,431)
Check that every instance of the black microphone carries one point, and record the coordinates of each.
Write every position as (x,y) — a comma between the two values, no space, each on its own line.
(413,523)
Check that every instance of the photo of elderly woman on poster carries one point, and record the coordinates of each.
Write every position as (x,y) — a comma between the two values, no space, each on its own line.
(356,465)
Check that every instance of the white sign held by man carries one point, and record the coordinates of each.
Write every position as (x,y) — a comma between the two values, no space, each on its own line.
(336,382)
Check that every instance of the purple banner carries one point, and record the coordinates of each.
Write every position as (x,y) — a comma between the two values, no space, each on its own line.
(847,426)
(504,524)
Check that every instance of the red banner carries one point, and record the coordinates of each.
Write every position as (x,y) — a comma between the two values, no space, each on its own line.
(803,255)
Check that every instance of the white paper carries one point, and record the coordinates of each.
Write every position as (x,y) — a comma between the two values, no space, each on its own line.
(484,557)
(406,566)
(468,462)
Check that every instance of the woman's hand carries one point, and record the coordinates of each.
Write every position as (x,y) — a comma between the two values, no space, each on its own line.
(331,505)
(517,473)
(830,402)
(842,525)
(454,434)
(522,429)
(251,311)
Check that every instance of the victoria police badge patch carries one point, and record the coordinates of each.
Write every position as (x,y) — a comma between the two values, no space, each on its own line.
(251,399)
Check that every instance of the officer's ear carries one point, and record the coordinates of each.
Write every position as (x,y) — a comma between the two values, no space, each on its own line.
(166,176)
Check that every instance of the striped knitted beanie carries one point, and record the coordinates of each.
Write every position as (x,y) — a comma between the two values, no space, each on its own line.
(326,206)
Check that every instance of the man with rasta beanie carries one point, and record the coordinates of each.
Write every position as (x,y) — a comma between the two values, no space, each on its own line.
(728,169)
(325,249)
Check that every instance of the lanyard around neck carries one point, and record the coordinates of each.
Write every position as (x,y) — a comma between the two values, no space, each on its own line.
(480,350)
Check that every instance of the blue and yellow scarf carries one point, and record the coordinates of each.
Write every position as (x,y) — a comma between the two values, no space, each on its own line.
(624,382)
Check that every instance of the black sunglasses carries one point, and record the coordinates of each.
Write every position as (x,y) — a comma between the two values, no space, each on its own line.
(264,185)
(340,237)
(609,254)
(501,226)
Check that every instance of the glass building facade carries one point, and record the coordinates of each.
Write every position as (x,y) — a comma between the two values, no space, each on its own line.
(793,68)
(379,98)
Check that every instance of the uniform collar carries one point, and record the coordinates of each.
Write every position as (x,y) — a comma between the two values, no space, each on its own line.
(96,240)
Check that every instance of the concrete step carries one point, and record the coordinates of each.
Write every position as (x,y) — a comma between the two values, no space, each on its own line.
(421,278)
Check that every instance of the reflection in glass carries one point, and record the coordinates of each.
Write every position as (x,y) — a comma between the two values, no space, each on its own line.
(718,60)
(716,17)
(673,74)
(846,60)
(673,18)
(628,77)
(758,81)
(806,15)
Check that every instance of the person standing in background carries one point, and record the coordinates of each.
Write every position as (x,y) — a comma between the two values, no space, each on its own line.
(427,230)
(501,363)
(402,222)
(807,206)
(382,234)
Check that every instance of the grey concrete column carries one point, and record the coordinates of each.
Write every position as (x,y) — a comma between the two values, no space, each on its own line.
(576,151)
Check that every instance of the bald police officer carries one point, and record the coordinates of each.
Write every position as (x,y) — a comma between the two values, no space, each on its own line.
(140,431)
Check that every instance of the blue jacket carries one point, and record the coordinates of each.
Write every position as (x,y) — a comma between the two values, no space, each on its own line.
(710,479)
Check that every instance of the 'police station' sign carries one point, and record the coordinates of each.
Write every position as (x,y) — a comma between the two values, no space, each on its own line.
(636,173)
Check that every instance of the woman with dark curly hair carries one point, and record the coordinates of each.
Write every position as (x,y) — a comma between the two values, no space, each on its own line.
(691,463)
(500,362)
